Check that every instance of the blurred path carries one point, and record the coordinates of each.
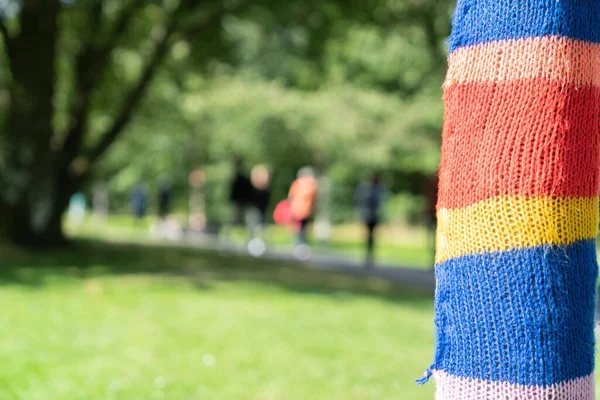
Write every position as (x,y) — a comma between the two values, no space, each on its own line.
(413,277)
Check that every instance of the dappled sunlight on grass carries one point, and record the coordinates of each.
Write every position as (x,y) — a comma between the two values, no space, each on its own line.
(137,322)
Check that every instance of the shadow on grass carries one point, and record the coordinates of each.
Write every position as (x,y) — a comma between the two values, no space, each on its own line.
(87,259)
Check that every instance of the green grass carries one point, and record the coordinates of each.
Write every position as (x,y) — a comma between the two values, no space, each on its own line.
(124,322)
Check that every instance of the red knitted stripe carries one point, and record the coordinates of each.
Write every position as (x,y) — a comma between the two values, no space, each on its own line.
(531,137)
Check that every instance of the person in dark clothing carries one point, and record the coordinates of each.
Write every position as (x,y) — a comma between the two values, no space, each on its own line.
(369,198)
(262,195)
(256,216)
(262,198)
(164,200)
(242,192)
(139,201)
(240,195)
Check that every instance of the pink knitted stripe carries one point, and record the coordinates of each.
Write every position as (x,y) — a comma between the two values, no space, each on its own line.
(456,388)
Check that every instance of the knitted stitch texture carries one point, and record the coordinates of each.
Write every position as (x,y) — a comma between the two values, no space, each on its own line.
(517,212)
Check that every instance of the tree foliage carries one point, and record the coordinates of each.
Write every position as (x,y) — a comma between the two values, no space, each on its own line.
(76,75)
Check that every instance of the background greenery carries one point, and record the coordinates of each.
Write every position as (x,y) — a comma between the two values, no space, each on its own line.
(135,90)
(345,132)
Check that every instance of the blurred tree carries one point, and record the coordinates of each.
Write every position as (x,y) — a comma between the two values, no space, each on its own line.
(343,130)
(75,71)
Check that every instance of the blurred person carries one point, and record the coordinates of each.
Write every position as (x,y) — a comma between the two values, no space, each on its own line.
(164,200)
(260,179)
(197,204)
(100,201)
(164,207)
(240,195)
(430,193)
(77,209)
(370,197)
(322,225)
(139,202)
(302,196)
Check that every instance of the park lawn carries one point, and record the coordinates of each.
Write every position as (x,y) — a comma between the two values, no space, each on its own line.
(139,322)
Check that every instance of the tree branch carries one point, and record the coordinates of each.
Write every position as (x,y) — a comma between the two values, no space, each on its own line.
(7,40)
(96,19)
(134,96)
(91,64)
(4,32)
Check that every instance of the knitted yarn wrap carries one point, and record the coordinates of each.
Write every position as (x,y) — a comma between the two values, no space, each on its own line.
(517,212)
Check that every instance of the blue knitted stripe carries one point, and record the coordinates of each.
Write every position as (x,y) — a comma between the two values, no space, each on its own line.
(493,314)
(482,21)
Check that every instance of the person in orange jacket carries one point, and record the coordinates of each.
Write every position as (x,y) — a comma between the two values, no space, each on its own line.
(302,198)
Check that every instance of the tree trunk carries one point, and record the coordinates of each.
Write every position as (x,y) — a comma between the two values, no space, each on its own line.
(35,221)
(32,179)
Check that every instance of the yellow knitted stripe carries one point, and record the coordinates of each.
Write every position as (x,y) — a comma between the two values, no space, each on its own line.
(509,222)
